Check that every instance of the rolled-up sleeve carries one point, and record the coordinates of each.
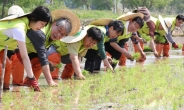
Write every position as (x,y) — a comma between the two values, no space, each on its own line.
(37,38)
(151,27)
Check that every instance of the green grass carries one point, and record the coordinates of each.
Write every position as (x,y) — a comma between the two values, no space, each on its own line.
(151,86)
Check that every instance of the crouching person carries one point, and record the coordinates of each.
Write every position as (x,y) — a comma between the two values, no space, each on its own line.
(73,46)
(94,56)
(13,32)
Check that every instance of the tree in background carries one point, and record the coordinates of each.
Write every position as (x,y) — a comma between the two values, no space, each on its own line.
(102,4)
(150,4)
(176,5)
(3,10)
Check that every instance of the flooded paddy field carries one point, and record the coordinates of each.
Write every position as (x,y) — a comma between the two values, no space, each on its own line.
(155,84)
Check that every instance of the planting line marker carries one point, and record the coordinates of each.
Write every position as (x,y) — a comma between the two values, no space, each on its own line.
(3,70)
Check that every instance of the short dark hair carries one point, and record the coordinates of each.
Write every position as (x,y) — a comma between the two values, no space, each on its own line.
(117,25)
(95,33)
(139,21)
(40,13)
(180,17)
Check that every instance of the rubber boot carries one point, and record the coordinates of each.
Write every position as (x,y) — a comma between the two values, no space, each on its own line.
(17,71)
(159,48)
(166,48)
(89,65)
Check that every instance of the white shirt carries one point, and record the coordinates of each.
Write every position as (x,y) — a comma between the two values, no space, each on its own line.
(15,33)
(126,27)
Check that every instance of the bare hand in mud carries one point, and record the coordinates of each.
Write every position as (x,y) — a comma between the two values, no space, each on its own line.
(53,84)
(80,77)
(131,59)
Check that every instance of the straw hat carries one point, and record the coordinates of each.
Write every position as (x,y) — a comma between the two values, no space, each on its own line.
(75,21)
(14,11)
(130,15)
(101,22)
(165,23)
(77,37)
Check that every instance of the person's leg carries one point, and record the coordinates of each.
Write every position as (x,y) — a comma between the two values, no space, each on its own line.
(97,63)
(17,71)
(90,60)
(137,50)
(122,60)
(183,48)
(166,48)
(7,73)
(68,72)
(37,69)
(55,59)
(159,48)
(113,53)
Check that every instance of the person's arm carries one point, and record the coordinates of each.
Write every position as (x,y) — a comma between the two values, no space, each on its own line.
(101,51)
(73,49)
(152,44)
(170,39)
(134,40)
(76,66)
(152,27)
(141,51)
(25,58)
(37,38)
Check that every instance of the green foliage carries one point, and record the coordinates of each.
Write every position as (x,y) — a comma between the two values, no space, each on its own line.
(115,61)
(136,55)
(160,39)
(145,37)
(147,49)
(58,65)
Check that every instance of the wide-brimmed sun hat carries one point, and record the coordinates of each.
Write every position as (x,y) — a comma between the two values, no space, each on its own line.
(165,23)
(75,21)
(101,22)
(77,37)
(14,11)
(130,15)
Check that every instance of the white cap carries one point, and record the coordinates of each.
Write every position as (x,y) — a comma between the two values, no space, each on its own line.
(15,10)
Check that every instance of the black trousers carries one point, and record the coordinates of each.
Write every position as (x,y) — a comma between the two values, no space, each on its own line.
(114,53)
(93,60)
